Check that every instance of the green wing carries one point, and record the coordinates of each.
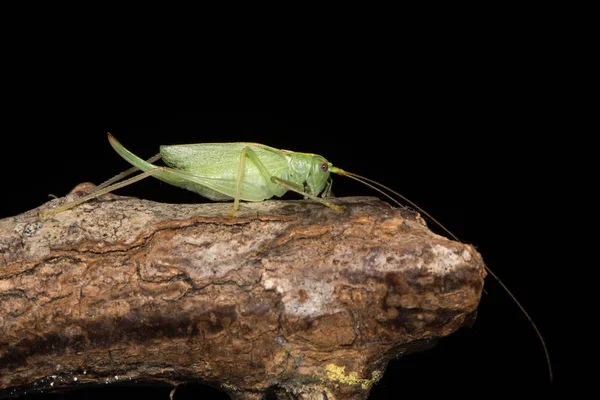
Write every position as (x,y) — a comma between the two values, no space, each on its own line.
(216,165)
(211,169)
(220,160)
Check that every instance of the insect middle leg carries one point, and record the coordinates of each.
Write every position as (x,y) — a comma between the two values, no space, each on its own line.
(273,188)
(238,181)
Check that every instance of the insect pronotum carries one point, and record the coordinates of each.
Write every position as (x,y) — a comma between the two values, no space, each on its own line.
(251,172)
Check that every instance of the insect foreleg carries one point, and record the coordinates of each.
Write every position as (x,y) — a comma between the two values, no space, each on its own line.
(100,192)
(291,186)
(327,192)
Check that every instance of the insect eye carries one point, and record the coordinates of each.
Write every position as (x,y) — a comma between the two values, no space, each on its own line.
(324,167)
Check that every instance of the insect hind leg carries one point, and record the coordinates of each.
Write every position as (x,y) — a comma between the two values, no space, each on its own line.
(100,192)
(125,174)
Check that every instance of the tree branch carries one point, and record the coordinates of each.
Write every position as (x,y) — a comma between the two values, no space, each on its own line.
(289,296)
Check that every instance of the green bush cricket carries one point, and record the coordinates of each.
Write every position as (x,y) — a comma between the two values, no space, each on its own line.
(249,172)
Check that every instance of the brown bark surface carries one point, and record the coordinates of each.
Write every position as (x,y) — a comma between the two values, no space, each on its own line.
(289,296)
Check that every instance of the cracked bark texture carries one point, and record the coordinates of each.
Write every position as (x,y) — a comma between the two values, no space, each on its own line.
(289,296)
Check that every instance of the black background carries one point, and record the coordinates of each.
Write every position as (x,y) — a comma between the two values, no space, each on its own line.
(472,161)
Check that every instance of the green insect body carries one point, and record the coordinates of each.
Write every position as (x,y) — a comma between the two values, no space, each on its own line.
(211,170)
(225,171)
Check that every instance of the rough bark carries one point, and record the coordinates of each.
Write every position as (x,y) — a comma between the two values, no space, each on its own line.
(289,296)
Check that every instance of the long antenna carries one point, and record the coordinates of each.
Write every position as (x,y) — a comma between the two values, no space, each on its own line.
(378,187)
